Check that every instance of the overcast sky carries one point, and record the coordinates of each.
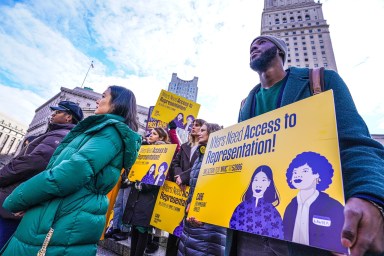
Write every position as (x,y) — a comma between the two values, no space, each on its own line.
(47,44)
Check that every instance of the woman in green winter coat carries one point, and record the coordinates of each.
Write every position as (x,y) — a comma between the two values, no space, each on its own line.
(64,207)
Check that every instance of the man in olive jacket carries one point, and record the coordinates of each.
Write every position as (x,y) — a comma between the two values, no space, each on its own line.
(34,158)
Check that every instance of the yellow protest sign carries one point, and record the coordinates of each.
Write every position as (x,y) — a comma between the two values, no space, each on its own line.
(152,164)
(277,175)
(170,107)
(169,209)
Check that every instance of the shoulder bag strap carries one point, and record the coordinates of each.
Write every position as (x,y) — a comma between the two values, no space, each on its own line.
(316,80)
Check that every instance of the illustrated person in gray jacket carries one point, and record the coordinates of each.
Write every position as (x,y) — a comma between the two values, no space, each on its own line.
(33,158)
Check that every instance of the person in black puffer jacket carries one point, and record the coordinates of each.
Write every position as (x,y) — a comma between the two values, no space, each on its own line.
(199,238)
(33,159)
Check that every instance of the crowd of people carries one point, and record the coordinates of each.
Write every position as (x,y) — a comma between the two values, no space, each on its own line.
(53,194)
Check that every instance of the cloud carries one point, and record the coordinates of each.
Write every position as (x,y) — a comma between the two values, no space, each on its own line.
(49,44)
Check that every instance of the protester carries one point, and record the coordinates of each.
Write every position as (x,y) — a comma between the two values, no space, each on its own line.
(200,238)
(33,159)
(64,206)
(362,158)
(140,204)
(180,171)
(119,231)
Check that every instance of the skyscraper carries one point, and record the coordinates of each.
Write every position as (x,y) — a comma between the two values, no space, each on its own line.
(186,89)
(302,25)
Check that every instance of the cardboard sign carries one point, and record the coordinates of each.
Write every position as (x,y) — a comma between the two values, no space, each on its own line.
(170,107)
(152,164)
(169,210)
(154,123)
(265,172)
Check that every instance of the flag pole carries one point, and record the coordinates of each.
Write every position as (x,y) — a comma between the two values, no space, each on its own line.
(90,66)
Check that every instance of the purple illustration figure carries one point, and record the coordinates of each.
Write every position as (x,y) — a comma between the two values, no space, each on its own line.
(312,217)
(257,213)
(179,229)
(160,177)
(179,120)
(149,178)
(188,124)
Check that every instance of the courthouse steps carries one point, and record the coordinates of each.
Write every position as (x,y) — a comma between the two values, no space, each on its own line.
(123,247)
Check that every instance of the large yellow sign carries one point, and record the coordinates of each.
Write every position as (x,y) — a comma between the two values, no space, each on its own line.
(170,107)
(169,210)
(276,175)
(152,164)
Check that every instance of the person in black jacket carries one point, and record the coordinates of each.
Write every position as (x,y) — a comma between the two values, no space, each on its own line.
(32,159)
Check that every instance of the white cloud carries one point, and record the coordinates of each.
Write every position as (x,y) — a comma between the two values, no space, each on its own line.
(49,44)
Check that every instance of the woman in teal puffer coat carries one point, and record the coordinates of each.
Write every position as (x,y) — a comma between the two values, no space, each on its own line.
(64,207)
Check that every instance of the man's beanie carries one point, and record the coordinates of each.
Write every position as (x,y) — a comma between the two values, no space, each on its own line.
(280,44)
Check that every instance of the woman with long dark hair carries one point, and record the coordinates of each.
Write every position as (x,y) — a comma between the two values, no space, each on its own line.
(141,202)
(64,206)
(257,213)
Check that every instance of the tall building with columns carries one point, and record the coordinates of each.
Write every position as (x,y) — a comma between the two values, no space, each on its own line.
(302,25)
(85,97)
(11,135)
(186,89)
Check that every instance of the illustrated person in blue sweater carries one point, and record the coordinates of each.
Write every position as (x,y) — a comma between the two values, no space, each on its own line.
(312,217)
(257,213)
(160,177)
(149,177)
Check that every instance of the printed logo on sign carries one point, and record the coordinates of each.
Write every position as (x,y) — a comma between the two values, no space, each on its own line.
(321,221)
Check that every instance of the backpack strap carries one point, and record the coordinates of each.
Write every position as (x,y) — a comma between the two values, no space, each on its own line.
(316,80)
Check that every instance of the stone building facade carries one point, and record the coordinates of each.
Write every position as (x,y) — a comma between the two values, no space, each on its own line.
(11,135)
(85,97)
(186,89)
(302,25)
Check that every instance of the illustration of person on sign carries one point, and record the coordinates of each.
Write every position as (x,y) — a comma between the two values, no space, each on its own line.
(313,217)
(149,177)
(257,213)
(188,124)
(160,178)
(179,120)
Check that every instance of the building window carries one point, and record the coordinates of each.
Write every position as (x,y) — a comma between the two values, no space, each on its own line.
(303,37)
(309,24)
(317,23)
(318,30)
(315,59)
(294,38)
(313,53)
(313,47)
(325,64)
(304,48)
(284,20)
(322,52)
(277,27)
(310,31)
(294,32)
(306,59)
(286,33)
(322,46)
(307,65)
(291,19)
(299,18)
(320,36)
(296,49)
(316,65)
(312,42)
(289,61)
(289,55)
(304,43)
(311,36)
(297,54)
(305,54)
(321,41)
(307,17)
(324,59)
(297,60)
